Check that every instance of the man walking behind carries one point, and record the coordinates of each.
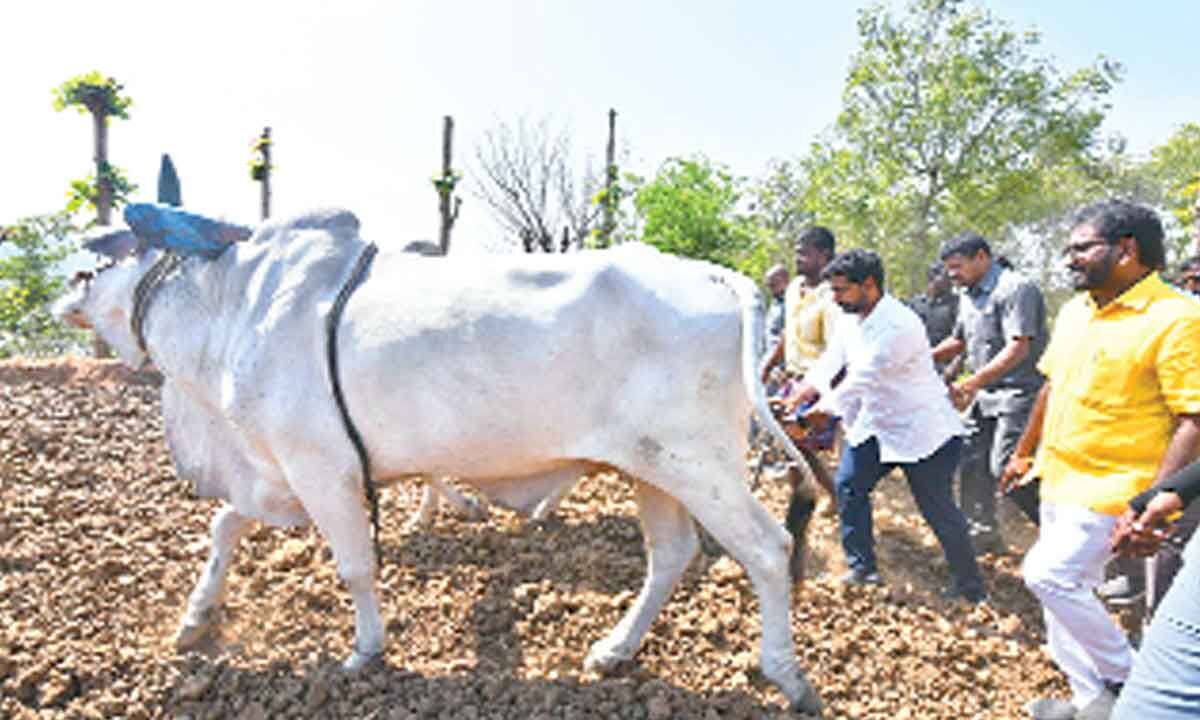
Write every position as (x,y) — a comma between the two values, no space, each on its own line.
(897,414)
(1120,409)
(811,318)
(1001,326)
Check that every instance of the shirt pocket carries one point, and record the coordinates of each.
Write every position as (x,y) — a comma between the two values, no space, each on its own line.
(1103,379)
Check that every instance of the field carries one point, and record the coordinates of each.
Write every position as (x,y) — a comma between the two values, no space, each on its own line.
(100,545)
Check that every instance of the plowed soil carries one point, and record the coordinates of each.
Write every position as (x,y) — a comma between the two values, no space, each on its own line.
(100,545)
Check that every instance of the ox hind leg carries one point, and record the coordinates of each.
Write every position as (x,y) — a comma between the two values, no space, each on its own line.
(671,543)
(331,493)
(432,492)
(228,528)
(721,501)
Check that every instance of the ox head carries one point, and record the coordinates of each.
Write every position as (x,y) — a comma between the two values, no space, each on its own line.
(103,300)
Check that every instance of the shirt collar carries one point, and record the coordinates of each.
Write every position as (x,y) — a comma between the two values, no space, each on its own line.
(1142,293)
(988,282)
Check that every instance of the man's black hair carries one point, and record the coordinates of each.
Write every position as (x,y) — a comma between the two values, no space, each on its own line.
(856,266)
(1114,219)
(819,237)
(967,244)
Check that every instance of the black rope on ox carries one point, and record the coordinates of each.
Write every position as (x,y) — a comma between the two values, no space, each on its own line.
(331,325)
(145,290)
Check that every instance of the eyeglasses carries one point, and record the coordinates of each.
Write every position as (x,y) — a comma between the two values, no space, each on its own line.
(1082,248)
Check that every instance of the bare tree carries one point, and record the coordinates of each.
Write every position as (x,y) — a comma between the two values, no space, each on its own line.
(527,177)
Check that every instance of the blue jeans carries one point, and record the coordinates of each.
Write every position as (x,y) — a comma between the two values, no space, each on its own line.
(1165,682)
(931,482)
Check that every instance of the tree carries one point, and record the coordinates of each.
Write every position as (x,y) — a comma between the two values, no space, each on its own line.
(1174,170)
(691,208)
(950,121)
(529,182)
(29,281)
(101,97)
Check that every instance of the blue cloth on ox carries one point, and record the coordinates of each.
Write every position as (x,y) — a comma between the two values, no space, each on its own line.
(173,229)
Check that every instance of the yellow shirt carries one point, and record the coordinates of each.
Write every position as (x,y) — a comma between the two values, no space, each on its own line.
(1119,375)
(810,318)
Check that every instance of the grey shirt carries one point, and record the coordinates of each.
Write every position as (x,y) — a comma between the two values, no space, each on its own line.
(1001,306)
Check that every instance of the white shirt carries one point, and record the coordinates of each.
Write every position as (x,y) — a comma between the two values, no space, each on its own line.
(891,390)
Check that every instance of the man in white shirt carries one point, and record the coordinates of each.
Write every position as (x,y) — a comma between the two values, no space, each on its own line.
(896,412)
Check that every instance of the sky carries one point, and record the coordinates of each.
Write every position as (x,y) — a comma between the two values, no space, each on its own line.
(355,91)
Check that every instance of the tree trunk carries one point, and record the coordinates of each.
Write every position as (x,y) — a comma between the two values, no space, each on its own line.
(610,179)
(265,190)
(104,190)
(448,212)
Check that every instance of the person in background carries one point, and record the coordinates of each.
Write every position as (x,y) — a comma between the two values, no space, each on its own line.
(1189,275)
(811,319)
(1120,410)
(1001,329)
(937,307)
(897,414)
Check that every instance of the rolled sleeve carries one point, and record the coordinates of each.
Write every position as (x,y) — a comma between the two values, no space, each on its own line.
(1178,365)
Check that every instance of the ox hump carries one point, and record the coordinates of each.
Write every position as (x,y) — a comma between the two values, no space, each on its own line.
(338,222)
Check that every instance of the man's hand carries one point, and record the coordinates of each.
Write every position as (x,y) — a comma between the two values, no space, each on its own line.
(1141,535)
(963,392)
(1015,472)
(818,420)
(801,394)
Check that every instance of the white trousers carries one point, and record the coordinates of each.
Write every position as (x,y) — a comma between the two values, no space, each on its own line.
(1062,569)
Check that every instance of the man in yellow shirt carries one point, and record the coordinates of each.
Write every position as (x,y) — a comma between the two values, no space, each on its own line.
(810,318)
(1120,409)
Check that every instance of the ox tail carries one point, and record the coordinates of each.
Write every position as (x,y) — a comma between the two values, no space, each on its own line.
(753,332)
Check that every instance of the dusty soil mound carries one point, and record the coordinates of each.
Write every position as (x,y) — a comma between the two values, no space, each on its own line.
(66,370)
(100,545)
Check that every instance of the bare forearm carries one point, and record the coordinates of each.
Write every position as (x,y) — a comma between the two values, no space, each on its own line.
(1032,434)
(1008,358)
(1182,448)
(947,349)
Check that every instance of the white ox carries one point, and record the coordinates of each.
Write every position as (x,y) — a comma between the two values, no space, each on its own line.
(526,371)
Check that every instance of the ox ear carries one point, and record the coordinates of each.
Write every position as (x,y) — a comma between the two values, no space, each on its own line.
(170,228)
(114,244)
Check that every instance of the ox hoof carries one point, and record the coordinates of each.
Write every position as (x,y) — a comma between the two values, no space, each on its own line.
(808,702)
(603,659)
(476,512)
(193,631)
(359,661)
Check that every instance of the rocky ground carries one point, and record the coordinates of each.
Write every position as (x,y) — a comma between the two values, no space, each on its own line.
(100,545)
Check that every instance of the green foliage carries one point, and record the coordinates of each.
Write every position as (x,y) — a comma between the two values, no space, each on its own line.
(1174,168)
(93,93)
(950,121)
(617,200)
(85,192)
(691,208)
(260,154)
(29,283)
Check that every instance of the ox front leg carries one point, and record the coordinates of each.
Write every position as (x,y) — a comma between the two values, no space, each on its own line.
(228,528)
(671,544)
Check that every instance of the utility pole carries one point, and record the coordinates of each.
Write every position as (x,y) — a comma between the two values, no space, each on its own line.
(448,203)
